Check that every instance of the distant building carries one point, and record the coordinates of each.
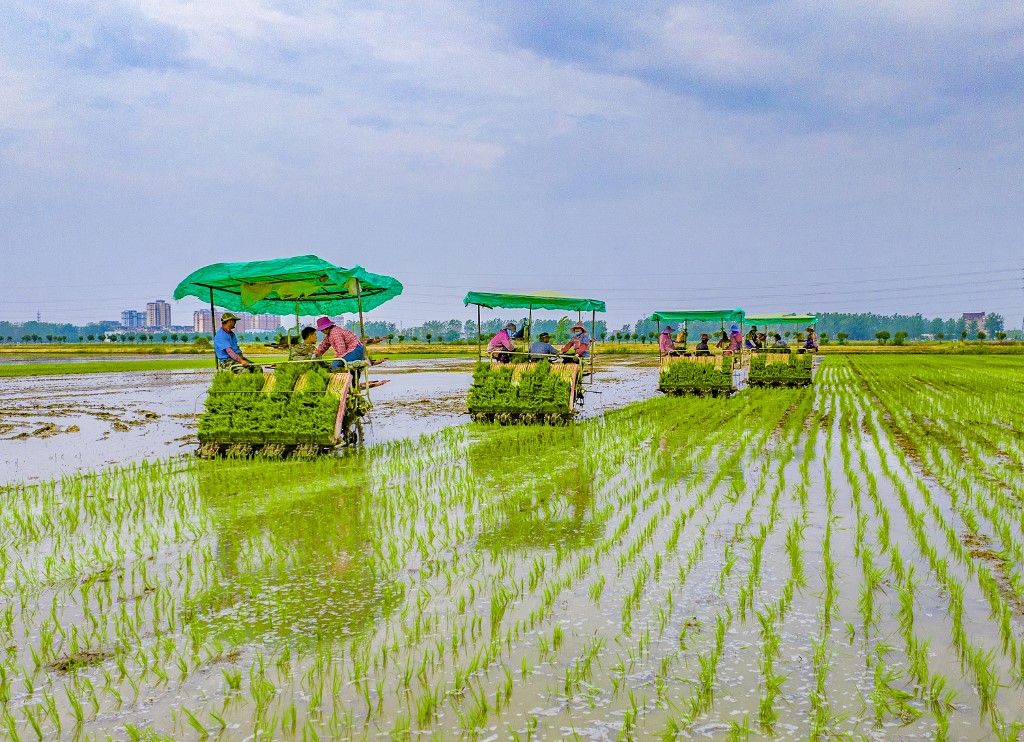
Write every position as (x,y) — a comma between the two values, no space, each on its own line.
(246,322)
(133,319)
(974,321)
(158,314)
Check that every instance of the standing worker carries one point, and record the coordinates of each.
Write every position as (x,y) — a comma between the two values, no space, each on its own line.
(348,348)
(225,346)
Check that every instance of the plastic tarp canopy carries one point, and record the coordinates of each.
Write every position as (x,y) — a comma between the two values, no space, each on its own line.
(700,315)
(304,284)
(782,319)
(540,300)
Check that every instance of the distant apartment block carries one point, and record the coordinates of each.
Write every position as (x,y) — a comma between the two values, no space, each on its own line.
(133,319)
(158,314)
(246,322)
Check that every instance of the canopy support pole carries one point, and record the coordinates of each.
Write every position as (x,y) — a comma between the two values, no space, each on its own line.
(479,333)
(298,334)
(593,335)
(213,328)
(529,325)
(362,339)
(661,358)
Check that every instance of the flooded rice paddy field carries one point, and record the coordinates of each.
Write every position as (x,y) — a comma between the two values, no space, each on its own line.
(53,425)
(837,561)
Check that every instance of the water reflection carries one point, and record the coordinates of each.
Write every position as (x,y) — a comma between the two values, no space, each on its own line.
(294,555)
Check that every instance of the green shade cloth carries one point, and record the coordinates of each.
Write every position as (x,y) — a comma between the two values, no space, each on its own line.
(782,319)
(700,315)
(540,300)
(274,286)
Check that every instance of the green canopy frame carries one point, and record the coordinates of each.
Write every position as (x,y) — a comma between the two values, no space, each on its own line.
(535,300)
(700,315)
(304,284)
(782,319)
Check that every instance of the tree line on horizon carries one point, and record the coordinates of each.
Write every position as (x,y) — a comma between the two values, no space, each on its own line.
(834,325)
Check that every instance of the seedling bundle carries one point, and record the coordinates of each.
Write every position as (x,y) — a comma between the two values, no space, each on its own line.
(697,375)
(524,392)
(780,369)
(297,405)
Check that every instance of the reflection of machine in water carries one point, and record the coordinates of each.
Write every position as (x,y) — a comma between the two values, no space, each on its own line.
(294,560)
(541,499)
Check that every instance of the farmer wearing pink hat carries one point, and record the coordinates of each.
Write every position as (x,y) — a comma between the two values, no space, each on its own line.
(347,347)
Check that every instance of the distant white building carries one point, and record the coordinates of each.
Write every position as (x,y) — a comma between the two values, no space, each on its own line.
(133,319)
(246,322)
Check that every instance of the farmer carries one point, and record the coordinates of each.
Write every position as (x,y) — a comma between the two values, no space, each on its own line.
(347,347)
(681,338)
(500,347)
(702,348)
(752,342)
(665,344)
(578,346)
(723,341)
(225,345)
(304,350)
(542,348)
(811,343)
(779,342)
(735,340)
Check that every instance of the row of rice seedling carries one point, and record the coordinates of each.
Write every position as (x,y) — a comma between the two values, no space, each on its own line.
(799,562)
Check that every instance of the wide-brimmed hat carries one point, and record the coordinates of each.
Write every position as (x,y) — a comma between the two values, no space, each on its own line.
(323,323)
(227,317)
(578,326)
(668,328)
(734,328)
(544,335)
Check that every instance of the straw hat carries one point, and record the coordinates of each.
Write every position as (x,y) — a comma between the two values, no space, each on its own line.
(324,323)
(578,326)
(227,317)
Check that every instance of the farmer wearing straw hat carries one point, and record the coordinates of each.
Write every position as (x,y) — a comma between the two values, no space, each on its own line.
(347,347)
(225,346)
(666,346)
(578,346)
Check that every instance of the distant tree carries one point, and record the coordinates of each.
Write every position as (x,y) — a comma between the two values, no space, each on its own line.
(603,335)
(428,336)
(981,335)
(401,338)
(963,335)
(994,323)
(899,338)
(90,338)
(824,339)
(999,336)
(842,337)
(882,336)
(163,338)
(940,336)
(391,336)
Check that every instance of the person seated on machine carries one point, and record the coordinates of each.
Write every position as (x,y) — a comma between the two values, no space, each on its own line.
(702,349)
(578,347)
(304,350)
(779,342)
(348,349)
(500,348)
(542,348)
(666,346)
(225,346)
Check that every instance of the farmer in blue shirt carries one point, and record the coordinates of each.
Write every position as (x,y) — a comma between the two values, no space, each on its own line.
(225,345)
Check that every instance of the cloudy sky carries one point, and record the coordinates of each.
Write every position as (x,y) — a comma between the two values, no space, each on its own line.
(778,155)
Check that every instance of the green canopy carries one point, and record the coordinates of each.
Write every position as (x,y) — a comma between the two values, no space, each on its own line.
(782,319)
(304,284)
(700,315)
(531,300)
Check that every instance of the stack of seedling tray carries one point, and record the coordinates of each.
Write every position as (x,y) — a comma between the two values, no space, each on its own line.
(774,369)
(524,393)
(697,375)
(295,406)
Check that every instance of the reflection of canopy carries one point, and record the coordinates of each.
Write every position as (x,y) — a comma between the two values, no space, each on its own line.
(782,319)
(533,300)
(700,315)
(274,286)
